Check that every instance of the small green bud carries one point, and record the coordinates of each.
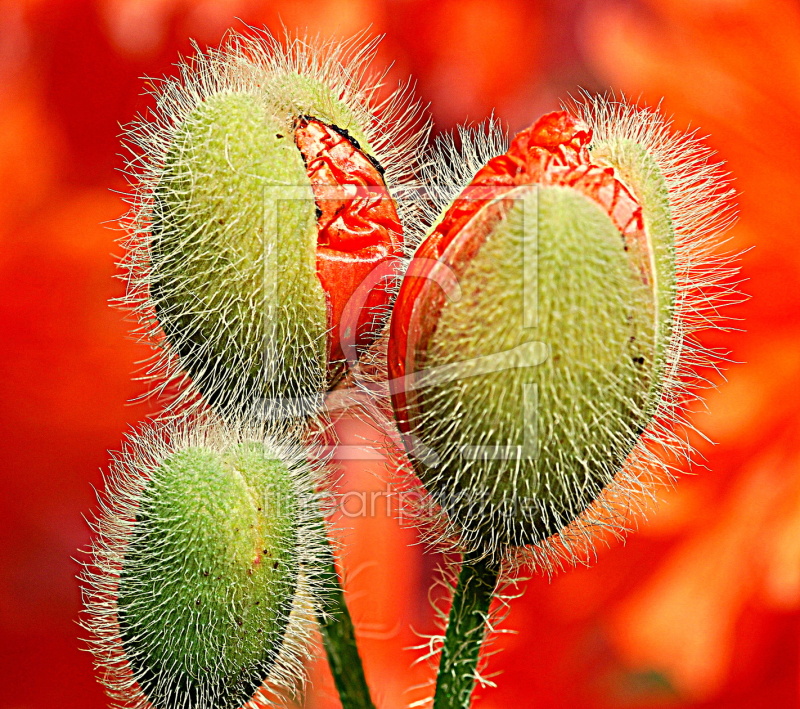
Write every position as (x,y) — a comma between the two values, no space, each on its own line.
(208,551)
(209,576)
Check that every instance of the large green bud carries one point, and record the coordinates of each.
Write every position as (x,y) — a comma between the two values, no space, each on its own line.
(523,391)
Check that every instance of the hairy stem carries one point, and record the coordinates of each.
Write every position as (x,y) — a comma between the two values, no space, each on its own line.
(339,638)
(466,630)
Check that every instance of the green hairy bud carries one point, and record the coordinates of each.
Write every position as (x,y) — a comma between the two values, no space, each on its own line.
(201,562)
(207,629)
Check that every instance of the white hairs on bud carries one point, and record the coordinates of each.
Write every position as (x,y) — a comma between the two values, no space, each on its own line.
(449,167)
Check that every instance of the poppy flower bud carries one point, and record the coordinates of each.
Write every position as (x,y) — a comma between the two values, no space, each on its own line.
(203,548)
(266,240)
(536,334)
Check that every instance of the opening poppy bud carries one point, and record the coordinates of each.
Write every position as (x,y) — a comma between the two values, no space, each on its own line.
(199,561)
(267,241)
(535,329)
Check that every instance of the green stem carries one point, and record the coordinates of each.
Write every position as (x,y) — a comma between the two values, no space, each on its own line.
(339,638)
(466,630)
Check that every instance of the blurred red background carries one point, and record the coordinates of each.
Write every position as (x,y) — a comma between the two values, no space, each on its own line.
(701,608)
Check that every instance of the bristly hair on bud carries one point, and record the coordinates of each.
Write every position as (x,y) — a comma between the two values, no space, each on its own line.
(237,270)
(627,250)
(202,587)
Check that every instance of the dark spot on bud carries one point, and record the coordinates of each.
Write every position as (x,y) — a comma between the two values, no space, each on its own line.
(376,164)
(346,133)
(279,135)
(275,565)
(638,360)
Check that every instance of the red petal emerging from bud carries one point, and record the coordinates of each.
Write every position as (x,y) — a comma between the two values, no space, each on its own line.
(360,236)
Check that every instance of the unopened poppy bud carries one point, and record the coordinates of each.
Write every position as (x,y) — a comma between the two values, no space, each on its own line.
(197,566)
(523,391)
(266,239)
